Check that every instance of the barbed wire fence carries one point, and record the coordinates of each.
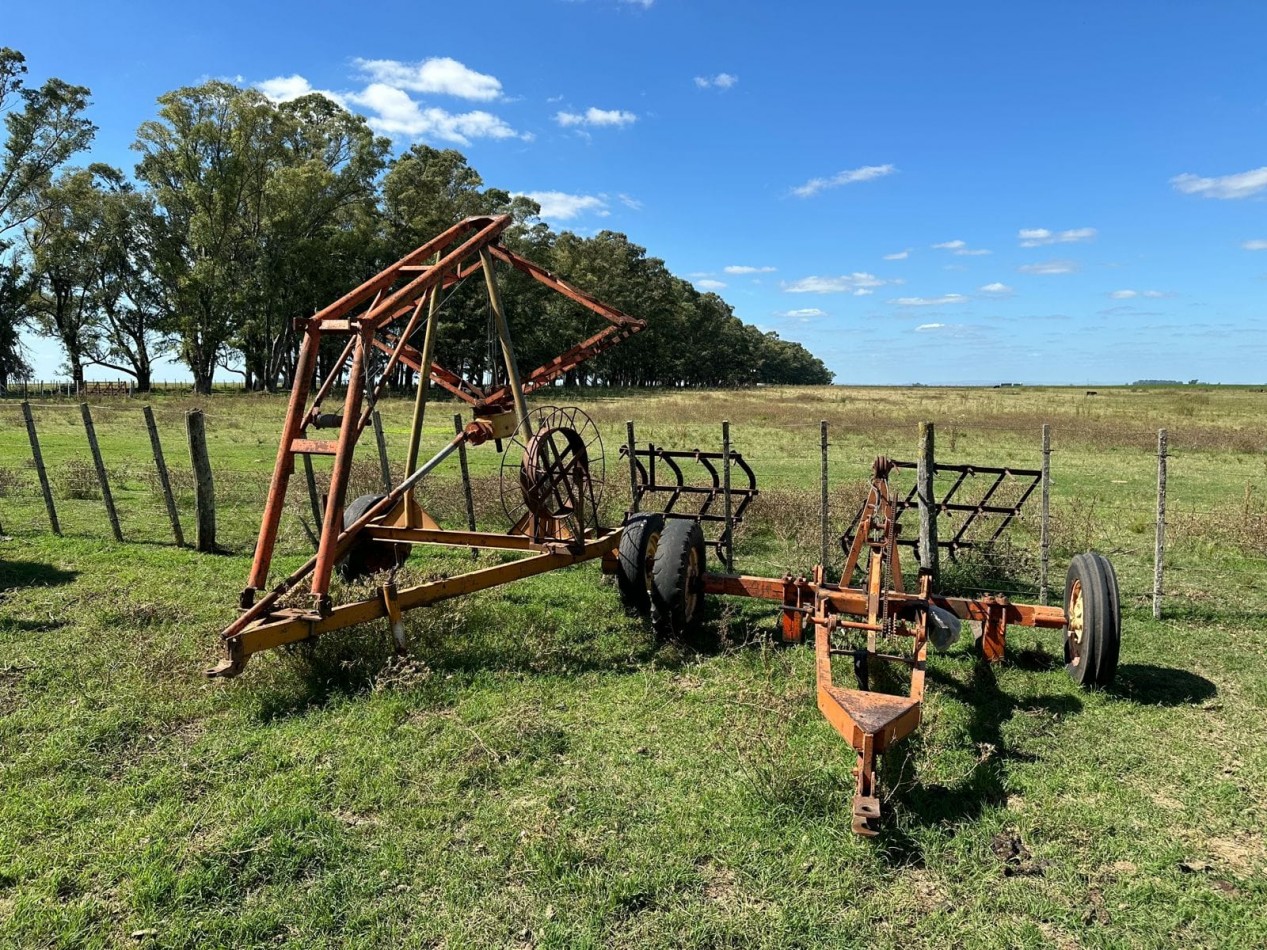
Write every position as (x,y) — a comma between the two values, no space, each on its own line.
(1180,518)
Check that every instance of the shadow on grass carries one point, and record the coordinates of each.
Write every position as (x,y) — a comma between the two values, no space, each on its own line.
(461,640)
(985,785)
(15,575)
(1185,610)
(1160,685)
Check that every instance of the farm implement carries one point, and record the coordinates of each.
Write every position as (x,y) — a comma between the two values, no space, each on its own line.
(867,616)
(557,478)
(874,617)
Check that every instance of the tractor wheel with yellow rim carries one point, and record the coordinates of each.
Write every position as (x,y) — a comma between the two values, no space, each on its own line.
(1093,621)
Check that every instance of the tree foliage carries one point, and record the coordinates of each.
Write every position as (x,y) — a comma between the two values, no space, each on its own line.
(43,128)
(247,213)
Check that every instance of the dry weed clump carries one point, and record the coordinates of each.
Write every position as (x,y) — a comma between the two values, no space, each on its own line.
(75,480)
(1243,527)
(1075,525)
(12,483)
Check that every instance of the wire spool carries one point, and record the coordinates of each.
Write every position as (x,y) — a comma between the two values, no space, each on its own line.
(558,471)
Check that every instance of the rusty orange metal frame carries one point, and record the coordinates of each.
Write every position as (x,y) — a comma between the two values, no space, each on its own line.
(871,722)
(382,315)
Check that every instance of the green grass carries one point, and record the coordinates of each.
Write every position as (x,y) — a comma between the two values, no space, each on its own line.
(543,773)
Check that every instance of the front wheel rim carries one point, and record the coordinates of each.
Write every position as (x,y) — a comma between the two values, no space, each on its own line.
(692,583)
(1077,624)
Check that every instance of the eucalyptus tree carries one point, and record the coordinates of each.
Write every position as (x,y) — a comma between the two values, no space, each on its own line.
(65,247)
(207,159)
(319,228)
(15,295)
(129,322)
(43,128)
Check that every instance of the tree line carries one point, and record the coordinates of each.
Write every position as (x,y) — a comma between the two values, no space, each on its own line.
(243,213)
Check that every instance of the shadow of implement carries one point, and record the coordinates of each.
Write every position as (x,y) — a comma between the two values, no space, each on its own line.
(1150,685)
(985,785)
(16,575)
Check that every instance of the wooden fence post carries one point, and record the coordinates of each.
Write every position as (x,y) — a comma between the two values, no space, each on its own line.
(1159,544)
(466,479)
(39,468)
(204,487)
(101,471)
(384,467)
(822,501)
(633,467)
(160,463)
(730,534)
(927,500)
(1044,527)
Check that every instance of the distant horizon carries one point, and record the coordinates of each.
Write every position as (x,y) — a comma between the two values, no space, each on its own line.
(159,382)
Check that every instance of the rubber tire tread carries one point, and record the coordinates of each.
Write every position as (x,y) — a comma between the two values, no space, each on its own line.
(668,577)
(1111,645)
(1101,620)
(631,557)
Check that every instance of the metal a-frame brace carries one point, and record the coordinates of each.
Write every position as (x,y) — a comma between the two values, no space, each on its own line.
(383,314)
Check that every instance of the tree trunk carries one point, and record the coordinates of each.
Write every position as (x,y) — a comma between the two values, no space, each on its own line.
(75,359)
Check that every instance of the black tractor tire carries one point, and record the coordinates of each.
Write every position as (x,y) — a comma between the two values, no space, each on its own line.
(635,557)
(1093,621)
(366,557)
(677,578)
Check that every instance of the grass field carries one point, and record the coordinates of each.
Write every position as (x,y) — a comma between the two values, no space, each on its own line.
(543,773)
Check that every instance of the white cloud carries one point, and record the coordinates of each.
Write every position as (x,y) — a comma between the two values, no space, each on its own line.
(997,287)
(439,75)
(898,256)
(858,283)
(1240,185)
(630,202)
(1130,294)
(1040,237)
(720,81)
(747,269)
(924,327)
(710,284)
(392,111)
(286,88)
(930,301)
(961,248)
(805,313)
(395,113)
(1258,244)
(849,177)
(595,117)
(1049,267)
(562,206)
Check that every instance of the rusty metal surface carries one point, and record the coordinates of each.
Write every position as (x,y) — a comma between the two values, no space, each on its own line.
(651,490)
(1026,479)
(852,621)
(557,482)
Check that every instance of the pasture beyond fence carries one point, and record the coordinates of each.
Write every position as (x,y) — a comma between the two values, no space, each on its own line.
(175,474)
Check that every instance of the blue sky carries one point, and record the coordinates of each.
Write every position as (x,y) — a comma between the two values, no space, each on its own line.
(942,192)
